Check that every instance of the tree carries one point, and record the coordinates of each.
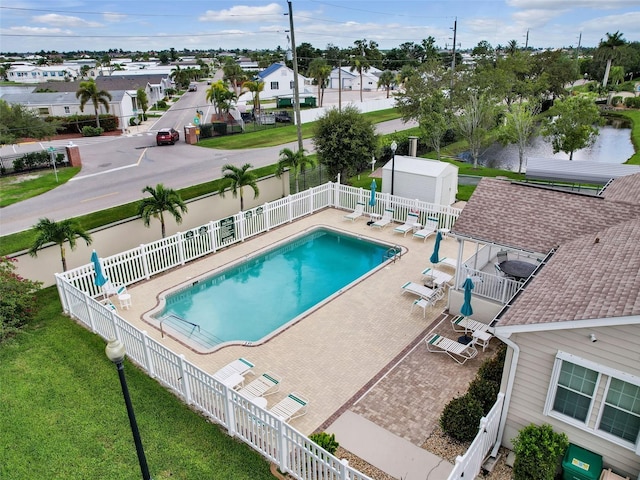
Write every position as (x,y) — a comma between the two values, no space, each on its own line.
(17,300)
(255,87)
(161,200)
(319,70)
(608,49)
(233,73)
(344,141)
(363,54)
(88,92)
(474,121)
(296,161)
(49,231)
(18,121)
(221,97)
(572,124)
(143,101)
(386,79)
(179,77)
(238,178)
(164,58)
(520,123)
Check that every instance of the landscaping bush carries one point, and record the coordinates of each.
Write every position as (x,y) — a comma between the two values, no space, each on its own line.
(17,299)
(88,131)
(460,419)
(617,100)
(75,123)
(485,391)
(491,369)
(33,161)
(161,104)
(632,102)
(539,451)
(326,441)
(219,128)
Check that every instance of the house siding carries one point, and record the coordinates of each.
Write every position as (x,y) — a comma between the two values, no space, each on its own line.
(616,348)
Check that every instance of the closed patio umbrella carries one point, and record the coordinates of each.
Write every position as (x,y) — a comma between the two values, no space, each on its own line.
(99,279)
(466,309)
(374,186)
(436,248)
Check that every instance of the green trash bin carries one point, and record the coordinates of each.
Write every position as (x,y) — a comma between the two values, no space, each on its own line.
(581,464)
(284,102)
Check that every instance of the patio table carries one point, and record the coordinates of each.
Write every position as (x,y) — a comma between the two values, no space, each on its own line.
(517,268)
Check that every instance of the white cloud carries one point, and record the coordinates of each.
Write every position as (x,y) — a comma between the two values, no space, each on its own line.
(565,4)
(535,18)
(34,31)
(243,13)
(114,17)
(64,21)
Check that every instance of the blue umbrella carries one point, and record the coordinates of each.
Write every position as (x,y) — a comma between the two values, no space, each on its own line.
(466,309)
(436,247)
(374,186)
(100,279)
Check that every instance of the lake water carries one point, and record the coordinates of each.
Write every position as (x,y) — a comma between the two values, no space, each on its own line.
(613,145)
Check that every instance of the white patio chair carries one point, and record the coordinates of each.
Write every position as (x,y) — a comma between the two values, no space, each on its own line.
(387,218)
(430,228)
(264,385)
(357,213)
(241,366)
(409,224)
(290,407)
(456,350)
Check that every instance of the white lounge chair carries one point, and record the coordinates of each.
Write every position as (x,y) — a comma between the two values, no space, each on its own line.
(240,366)
(422,291)
(410,223)
(464,324)
(436,276)
(357,213)
(430,228)
(450,262)
(456,350)
(113,288)
(290,407)
(387,218)
(264,385)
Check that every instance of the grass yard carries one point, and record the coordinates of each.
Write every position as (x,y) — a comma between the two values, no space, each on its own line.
(63,414)
(15,188)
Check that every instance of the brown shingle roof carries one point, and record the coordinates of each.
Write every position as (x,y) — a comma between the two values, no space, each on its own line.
(533,218)
(124,82)
(594,276)
(624,189)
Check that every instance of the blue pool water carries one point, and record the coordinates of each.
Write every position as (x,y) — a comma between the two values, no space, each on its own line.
(251,300)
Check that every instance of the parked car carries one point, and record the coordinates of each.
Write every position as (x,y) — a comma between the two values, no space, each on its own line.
(193,87)
(167,135)
(246,117)
(283,117)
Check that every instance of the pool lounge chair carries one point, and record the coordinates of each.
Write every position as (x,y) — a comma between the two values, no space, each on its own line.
(464,324)
(436,276)
(290,407)
(410,223)
(113,288)
(357,213)
(240,366)
(430,228)
(387,218)
(456,350)
(422,291)
(264,385)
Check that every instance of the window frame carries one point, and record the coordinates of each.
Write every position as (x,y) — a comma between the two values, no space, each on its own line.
(276,87)
(597,400)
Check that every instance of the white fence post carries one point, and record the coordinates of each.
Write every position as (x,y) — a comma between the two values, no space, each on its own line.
(147,354)
(180,237)
(145,262)
(87,301)
(267,216)
(212,234)
(230,413)
(185,381)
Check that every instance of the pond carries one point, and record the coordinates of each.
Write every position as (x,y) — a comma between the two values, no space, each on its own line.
(613,145)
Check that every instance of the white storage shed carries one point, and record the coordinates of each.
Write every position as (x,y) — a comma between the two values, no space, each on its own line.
(427,180)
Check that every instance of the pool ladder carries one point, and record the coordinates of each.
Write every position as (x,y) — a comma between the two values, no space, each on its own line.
(392,253)
(176,317)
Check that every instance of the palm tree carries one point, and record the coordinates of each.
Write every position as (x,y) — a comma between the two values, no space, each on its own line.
(296,161)
(161,200)
(49,231)
(238,178)
(360,64)
(608,48)
(221,97)
(319,70)
(255,87)
(233,73)
(88,91)
(386,80)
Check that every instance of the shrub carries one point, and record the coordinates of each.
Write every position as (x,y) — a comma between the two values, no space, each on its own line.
(162,104)
(632,102)
(539,451)
(326,441)
(460,419)
(491,369)
(485,391)
(88,131)
(17,300)
(617,100)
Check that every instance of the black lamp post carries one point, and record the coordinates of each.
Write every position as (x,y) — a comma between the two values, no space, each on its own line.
(115,352)
(394,147)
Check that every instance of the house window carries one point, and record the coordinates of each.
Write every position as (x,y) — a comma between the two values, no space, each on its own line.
(612,412)
(67,110)
(575,391)
(43,111)
(291,85)
(274,86)
(621,412)
(45,74)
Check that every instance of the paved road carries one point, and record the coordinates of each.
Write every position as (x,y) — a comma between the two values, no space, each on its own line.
(116,169)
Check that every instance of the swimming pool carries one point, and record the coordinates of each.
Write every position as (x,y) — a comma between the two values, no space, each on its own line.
(252,300)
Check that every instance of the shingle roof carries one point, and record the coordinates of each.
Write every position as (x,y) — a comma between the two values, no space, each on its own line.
(131,82)
(624,189)
(53,98)
(270,69)
(594,276)
(533,218)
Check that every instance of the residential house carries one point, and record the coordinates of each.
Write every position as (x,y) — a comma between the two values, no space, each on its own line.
(42,73)
(350,80)
(573,327)
(278,81)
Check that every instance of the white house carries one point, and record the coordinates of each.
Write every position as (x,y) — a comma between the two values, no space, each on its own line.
(42,73)
(278,81)
(350,80)
(421,178)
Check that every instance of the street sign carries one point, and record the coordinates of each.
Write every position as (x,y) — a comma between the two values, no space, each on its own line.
(196,121)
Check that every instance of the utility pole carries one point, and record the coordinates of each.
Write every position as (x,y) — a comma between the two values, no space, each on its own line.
(526,42)
(453,56)
(296,88)
(339,85)
(578,54)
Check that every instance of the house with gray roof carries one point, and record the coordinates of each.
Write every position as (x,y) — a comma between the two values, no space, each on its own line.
(572,327)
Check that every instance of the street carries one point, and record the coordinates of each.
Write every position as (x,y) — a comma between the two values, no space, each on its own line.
(116,169)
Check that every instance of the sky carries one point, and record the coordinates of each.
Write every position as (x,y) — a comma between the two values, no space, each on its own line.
(145,25)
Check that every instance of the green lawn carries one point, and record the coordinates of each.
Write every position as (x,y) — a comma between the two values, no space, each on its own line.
(634,117)
(63,414)
(15,188)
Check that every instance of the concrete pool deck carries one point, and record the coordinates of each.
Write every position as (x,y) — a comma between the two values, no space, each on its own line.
(361,351)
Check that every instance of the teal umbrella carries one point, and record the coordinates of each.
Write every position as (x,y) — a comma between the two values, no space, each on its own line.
(466,309)
(436,247)
(99,279)
(374,186)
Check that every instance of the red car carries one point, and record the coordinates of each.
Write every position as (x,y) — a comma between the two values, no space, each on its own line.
(168,135)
